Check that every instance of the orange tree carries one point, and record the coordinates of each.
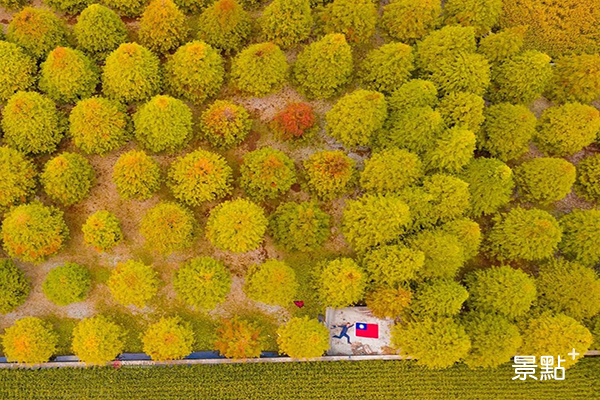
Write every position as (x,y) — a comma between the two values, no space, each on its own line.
(238,338)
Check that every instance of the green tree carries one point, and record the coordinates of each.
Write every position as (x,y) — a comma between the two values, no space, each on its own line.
(225,124)
(238,338)
(168,227)
(463,72)
(99,125)
(414,93)
(136,175)
(267,173)
(237,226)
(272,282)
(451,151)
(199,177)
(163,27)
(163,124)
(14,286)
(494,340)
(131,73)
(462,109)
(557,334)
(468,234)
(102,231)
(445,43)
(357,117)
(98,340)
(569,288)
(67,283)
(37,30)
(407,20)
(391,170)
(260,69)
(128,8)
(287,22)
(439,298)
(576,78)
(31,123)
(29,340)
(388,67)
(581,236)
(565,130)
(68,178)
(501,46)
(324,67)
(303,338)
(17,178)
(413,128)
(300,226)
(340,282)
(372,220)
(225,25)
(329,174)
(13,4)
(202,282)
(99,31)
(17,70)
(507,131)
(435,343)
(388,302)
(133,283)
(587,184)
(168,339)
(297,122)
(393,265)
(195,72)
(356,19)
(482,15)
(503,290)
(545,179)
(444,253)
(491,185)
(33,232)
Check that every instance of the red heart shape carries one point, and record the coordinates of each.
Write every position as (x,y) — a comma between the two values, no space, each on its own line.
(299,304)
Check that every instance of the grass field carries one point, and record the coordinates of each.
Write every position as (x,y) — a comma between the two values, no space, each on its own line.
(322,380)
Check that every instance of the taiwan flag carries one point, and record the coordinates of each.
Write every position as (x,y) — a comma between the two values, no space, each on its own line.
(367,330)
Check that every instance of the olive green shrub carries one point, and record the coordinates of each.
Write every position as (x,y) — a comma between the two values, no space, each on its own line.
(99,31)
(491,184)
(99,125)
(272,282)
(163,124)
(502,45)
(374,219)
(14,286)
(566,129)
(17,70)
(468,233)
(128,8)
(502,290)
(388,67)
(303,338)
(438,298)
(168,339)
(17,178)
(330,174)
(576,78)
(412,94)
(199,177)
(407,20)
(414,129)
(451,151)
(102,231)
(340,282)
(133,283)
(388,302)
(444,44)
(192,6)
(163,27)
(225,124)
(545,179)
(259,69)
(587,184)
(98,340)
(481,15)
(266,173)
(37,30)
(287,22)
(462,109)
(463,72)
(237,226)
(581,236)
(29,340)
(136,175)
(68,6)
(195,72)
(67,283)
(168,227)
(31,123)
(444,253)
(435,342)
(13,4)
(356,19)
(391,170)
(202,282)
(239,338)
(507,131)
(68,178)
(324,67)
(225,25)
(300,226)
(131,73)
(393,265)
(357,117)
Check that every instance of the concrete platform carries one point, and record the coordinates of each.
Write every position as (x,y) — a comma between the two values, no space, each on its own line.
(358,345)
